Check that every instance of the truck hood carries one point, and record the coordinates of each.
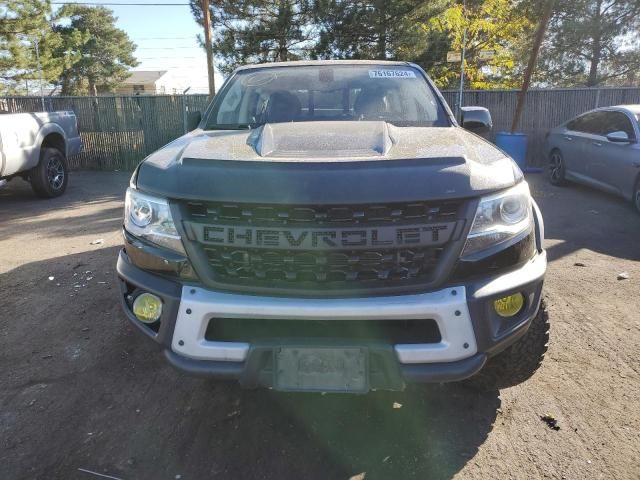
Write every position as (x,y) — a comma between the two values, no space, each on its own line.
(327,163)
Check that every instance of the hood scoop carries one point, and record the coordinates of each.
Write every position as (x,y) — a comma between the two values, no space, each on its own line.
(322,140)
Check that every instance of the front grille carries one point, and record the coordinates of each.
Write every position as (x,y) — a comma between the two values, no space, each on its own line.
(337,269)
(263,266)
(321,216)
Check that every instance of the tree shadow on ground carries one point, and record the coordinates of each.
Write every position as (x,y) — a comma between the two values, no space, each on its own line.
(98,195)
(582,217)
(105,220)
(84,187)
(81,389)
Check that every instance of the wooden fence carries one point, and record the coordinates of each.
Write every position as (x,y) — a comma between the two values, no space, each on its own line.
(544,109)
(119,131)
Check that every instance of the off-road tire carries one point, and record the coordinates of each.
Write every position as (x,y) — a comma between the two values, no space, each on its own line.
(557,170)
(520,361)
(50,177)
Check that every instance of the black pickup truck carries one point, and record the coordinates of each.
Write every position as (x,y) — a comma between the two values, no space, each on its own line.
(329,226)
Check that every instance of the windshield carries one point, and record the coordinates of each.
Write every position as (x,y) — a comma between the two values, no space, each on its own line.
(396,94)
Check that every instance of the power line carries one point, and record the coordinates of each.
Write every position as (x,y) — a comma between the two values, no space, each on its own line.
(179,67)
(168,58)
(162,38)
(188,61)
(168,48)
(125,4)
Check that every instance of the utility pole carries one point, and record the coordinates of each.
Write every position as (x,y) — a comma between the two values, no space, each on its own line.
(206,17)
(464,49)
(184,109)
(40,74)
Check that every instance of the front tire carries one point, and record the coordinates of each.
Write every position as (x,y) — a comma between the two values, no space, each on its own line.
(520,361)
(636,196)
(557,169)
(49,178)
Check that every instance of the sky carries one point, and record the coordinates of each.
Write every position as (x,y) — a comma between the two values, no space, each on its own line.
(166,39)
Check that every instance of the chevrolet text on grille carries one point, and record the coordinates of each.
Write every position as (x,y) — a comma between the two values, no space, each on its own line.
(388,237)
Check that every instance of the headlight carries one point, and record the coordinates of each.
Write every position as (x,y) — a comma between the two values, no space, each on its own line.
(500,218)
(149,218)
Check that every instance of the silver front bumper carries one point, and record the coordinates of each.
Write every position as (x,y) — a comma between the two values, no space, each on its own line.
(448,307)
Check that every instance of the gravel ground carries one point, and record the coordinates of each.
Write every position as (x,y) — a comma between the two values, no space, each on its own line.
(81,391)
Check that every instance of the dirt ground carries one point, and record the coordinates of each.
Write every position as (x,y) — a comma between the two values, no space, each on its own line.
(81,391)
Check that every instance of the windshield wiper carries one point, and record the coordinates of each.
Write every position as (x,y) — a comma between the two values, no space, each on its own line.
(234,126)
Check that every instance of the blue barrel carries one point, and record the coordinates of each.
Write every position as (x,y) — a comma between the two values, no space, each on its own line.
(515,144)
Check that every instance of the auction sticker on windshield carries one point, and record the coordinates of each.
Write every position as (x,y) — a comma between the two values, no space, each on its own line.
(391,74)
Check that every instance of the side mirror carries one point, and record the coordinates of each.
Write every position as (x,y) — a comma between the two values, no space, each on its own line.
(193,120)
(476,119)
(618,137)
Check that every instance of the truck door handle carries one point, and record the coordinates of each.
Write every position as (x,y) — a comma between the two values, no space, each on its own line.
(568,138)
(597,144)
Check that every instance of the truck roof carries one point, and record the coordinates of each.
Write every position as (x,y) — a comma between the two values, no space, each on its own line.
(301,63)
(632,108)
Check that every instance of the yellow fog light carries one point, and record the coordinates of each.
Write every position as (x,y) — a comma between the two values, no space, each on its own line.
(510,305)
(147,308)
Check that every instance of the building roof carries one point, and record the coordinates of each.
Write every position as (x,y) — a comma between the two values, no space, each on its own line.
(140,77)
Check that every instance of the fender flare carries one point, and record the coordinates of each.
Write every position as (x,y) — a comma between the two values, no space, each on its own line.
(46,129)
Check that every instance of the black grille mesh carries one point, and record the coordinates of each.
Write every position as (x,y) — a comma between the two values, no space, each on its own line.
(321,269)
(265,329)
(324,267)
(328,215)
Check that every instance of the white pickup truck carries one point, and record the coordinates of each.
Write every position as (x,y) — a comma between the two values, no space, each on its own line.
(35,146)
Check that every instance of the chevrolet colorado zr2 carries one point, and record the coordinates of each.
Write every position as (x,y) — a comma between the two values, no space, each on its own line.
(329,226)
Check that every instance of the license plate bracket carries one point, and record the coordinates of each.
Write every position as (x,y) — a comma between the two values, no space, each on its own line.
(321,369)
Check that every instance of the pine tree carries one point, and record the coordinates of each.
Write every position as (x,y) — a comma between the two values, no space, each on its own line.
(376,29)
(23,24)
(96,54)
(256,31)
(591,42)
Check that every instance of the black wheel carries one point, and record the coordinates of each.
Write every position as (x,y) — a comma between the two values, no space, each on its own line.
(636,196)
(520,361)
(49,178)
(556,168)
